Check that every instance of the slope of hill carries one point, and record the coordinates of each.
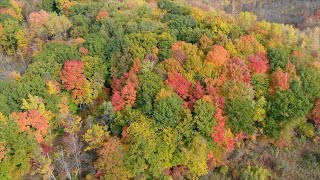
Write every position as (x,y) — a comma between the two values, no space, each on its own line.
(134,89)
(293,12)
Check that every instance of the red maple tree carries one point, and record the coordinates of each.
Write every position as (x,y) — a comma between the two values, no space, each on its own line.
(219,131)
(179,84)
(129,94)
(220,135)
(117,101)
(259,63)
(125,88)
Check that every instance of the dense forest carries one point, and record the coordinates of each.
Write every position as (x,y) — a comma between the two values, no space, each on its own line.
(156,89)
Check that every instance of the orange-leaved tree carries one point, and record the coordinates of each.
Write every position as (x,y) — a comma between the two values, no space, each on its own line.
(73,77)
(218,55)
(36,118)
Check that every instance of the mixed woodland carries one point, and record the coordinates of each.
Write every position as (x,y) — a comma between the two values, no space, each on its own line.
(156,89)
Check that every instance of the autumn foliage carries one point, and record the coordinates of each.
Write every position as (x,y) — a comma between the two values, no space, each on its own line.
(178,172)
(155,89)
(83,51)
(125,89)
(197,93)
(221,135)
(178,52)
(259,63)
(236,70)
(188,92)
(33,119)
(248,45)
(315,114)
(179,84)
(101,15)
(111,163)
(73,78)
(38,18)
(279,79)
(2,153)
(218,56)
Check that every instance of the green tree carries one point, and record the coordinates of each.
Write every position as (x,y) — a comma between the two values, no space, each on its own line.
(203,117)
(142,157)
(180,22)
(94,65)
(246,20)
(288,105)
(5,4)
(80,25)
(43,69)
(8,40)
(96,44)
(11,94)
(59,53)
(19,149)
(260,84)
(310,78)
(141,44)
(49,5)
(167,110)
(58,25)
(164,44)
(278,57)
(196,156)
(252,173)
(239,106)
(240,114)
(149,85)
(173,8)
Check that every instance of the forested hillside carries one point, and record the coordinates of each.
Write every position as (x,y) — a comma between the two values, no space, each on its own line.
(155,89)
